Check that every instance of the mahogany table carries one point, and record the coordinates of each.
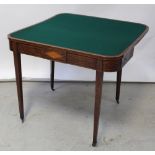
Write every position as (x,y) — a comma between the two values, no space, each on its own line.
(104,45)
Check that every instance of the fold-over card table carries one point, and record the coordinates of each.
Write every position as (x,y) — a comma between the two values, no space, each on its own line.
(104,45)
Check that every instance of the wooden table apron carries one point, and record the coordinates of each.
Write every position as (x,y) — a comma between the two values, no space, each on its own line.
(100,63)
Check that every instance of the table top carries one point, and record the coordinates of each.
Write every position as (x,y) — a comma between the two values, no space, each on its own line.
(85,33)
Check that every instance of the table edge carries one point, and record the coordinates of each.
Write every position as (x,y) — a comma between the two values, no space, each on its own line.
(80,51)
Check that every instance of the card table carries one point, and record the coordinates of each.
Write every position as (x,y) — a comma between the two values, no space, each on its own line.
(104,45)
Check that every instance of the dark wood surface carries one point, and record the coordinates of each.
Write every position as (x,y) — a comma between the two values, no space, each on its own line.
(100,63)
(98,95)
(18,72)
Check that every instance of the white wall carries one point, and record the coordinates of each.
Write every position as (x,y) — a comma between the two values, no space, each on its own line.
(14,17)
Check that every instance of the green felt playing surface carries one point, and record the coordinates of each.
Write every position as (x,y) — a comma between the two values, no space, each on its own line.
(90,34)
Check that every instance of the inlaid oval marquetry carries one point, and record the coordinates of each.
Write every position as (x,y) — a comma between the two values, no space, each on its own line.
(54,55)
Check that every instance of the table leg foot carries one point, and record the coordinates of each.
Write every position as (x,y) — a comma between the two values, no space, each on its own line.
(94,143)
(52,89)
(22,118)
(117,100)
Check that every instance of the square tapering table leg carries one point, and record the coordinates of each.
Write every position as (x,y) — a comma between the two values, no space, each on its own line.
(118,84)
(98,95)
(52,74)
(17,62)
